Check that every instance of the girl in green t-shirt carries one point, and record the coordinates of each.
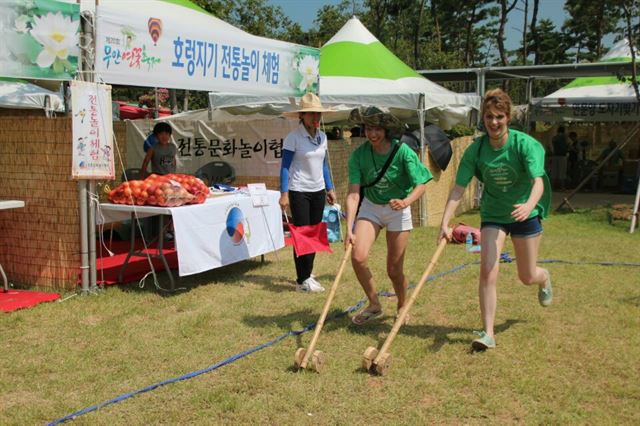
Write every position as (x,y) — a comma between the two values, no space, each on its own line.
(515,198)
(386,203)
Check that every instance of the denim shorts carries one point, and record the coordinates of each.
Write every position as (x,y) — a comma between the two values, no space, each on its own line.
(528,228)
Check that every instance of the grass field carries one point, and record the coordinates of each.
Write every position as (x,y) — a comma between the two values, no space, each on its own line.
(575,362)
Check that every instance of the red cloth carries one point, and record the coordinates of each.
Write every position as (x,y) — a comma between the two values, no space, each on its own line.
(309,238)
(20,299)
(108,267)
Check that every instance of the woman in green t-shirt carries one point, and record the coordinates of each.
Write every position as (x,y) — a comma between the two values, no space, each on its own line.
(515,198)
(386,203)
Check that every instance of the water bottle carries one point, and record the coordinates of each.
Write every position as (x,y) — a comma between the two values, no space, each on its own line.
(469,243)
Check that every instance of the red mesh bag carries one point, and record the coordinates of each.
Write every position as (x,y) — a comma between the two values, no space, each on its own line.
(460,231)
(193,185)
(163,191)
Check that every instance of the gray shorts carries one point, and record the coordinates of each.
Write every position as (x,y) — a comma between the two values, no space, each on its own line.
(384,216)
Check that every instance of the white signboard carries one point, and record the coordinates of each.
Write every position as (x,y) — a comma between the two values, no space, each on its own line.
(92,131)
(253,148)
(162,44)
(258,193)
(587,111)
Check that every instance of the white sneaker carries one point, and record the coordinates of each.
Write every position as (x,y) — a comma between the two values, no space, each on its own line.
(316,283)
(308,286)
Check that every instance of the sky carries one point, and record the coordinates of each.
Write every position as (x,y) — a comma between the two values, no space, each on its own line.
(304,12)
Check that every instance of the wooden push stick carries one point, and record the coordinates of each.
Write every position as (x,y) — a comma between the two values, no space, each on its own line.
(325,310)
(405,309)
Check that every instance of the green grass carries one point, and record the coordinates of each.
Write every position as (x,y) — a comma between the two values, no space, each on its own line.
(575,362)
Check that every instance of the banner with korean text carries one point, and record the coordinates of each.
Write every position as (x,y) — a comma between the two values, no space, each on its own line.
(92,126)
(175,44)
(252,147)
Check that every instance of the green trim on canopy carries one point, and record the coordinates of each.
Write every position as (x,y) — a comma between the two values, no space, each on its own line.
(13,80)
(350,59)
(187,4)
(593,81)
(597,81)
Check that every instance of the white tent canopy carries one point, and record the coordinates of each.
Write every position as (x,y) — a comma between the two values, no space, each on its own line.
(357,69)
(24,95)
(593,98)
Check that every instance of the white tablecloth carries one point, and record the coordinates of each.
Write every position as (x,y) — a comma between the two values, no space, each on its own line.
(223,230)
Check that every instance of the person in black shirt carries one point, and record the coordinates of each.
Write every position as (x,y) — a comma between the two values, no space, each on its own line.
(559,148)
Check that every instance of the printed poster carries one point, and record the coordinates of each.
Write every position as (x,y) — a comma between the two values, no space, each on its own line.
(93,156)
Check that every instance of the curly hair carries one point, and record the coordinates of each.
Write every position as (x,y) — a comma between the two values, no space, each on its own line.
(498,99)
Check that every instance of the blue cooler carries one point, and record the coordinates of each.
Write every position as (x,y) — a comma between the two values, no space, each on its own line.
(331,216)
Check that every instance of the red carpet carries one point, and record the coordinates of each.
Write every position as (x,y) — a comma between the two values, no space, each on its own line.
(108,267)
(20,299)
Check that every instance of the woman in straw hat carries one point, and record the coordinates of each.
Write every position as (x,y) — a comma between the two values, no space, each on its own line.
(305,180)
(386,202)
(516,197)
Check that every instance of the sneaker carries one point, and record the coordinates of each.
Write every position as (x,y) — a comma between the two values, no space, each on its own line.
(316,283)
(308,286)
(545,294)
(483,342)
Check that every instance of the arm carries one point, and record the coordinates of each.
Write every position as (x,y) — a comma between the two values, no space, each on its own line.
(417,192)
(449,211)
(328,184)
(145,162)
(353,199)
(522,211)
(287,159)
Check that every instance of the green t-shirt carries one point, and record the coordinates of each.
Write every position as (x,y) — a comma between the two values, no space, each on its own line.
(404,173)
(507,174)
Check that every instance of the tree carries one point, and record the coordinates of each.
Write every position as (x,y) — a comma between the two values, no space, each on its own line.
(505,9)
(549,46)
(630,11)
(329,19)
(534,34)
(589,21)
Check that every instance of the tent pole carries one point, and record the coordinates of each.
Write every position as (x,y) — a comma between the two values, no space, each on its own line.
(89,212)
(636,204)
(480,89)
(82,184)
(529,91)
(84,242)
(630,136)
(423,199)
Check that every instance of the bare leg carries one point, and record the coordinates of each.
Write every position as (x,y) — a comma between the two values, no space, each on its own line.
(366,233)
(396,248)
(492,243)
(526,258)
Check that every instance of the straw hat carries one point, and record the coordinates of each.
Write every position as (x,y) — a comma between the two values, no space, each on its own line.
(374,116)
(308,103)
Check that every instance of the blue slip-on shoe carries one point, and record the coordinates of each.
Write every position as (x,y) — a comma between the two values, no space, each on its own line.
(545,294)
(483,342)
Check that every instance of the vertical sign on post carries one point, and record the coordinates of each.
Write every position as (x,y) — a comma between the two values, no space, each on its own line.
(93,156)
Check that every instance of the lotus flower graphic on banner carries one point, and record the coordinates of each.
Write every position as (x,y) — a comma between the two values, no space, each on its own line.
(39,39)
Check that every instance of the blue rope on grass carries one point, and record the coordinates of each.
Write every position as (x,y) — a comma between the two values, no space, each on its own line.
(504,257)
